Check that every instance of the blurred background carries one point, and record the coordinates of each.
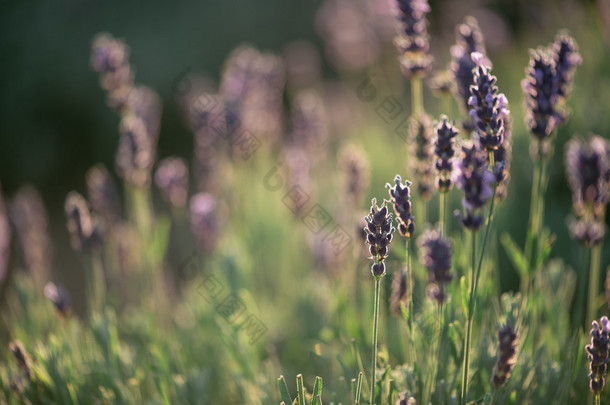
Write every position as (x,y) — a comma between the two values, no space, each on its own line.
(55,124)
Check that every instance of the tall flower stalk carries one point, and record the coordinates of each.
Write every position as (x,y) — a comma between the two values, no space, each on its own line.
(475,177)
(598,357)
(588,172)
(547,87)
(379,232)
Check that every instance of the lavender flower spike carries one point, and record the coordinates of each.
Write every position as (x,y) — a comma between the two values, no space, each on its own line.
(469,39)
(507,351)
(598,354)
(204,221)
(475,180)
(400,196)
(413,42)
(84,232)
(444,151)
(379,235)
(487,108)
(566,56)
(437,259)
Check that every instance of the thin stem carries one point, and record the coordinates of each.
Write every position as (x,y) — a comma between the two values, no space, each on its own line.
(409,285)
(464,389)
(442,211)
(582,280)
(594,282)
(532,222)
(417,96)
(475,284)
(376,318)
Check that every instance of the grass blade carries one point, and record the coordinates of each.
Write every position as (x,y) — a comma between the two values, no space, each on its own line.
(284,393)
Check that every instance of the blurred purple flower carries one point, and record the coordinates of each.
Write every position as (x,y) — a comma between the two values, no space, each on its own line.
(420,137)
(507,352)
(5,242)
(172,178)
(58,295)
(29,216)
(436,255)
(413,41)
(475,180)
(204,222)
(355,173)
(103,194)
(85,234)
(136,154)
(309,124)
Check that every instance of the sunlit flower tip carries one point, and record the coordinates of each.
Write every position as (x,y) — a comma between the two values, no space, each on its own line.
(587,232)
(85,233)
(436,255)
(399,293)
(444,151)
(204,221)
(400,197)
(379,235)
(58,295)
(172,178)
(598,354)
(507,352)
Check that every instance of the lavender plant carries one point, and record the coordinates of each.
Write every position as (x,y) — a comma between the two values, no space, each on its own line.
(379,231)
(444,151)
(598,356)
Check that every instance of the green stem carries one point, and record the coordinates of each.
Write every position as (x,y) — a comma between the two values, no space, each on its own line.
(582,280)
(592,307)
(375,321)
(532,222)
(409,286)
(475,284)
(442,211)
(417,96)
(464,389)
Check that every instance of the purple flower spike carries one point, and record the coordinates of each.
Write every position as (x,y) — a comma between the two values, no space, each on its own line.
(598,355)
(378,236)
(413,41)
(475,180)
(437,254)
(444,151)
(488,109)
(400,196)
(204,221)
(507,352)
(469,39)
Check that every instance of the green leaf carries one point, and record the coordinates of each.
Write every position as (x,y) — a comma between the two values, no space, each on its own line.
(300,391)
(317,392)
(283,387)
(515,255)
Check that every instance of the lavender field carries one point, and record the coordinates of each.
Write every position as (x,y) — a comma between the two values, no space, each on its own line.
(332,202)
